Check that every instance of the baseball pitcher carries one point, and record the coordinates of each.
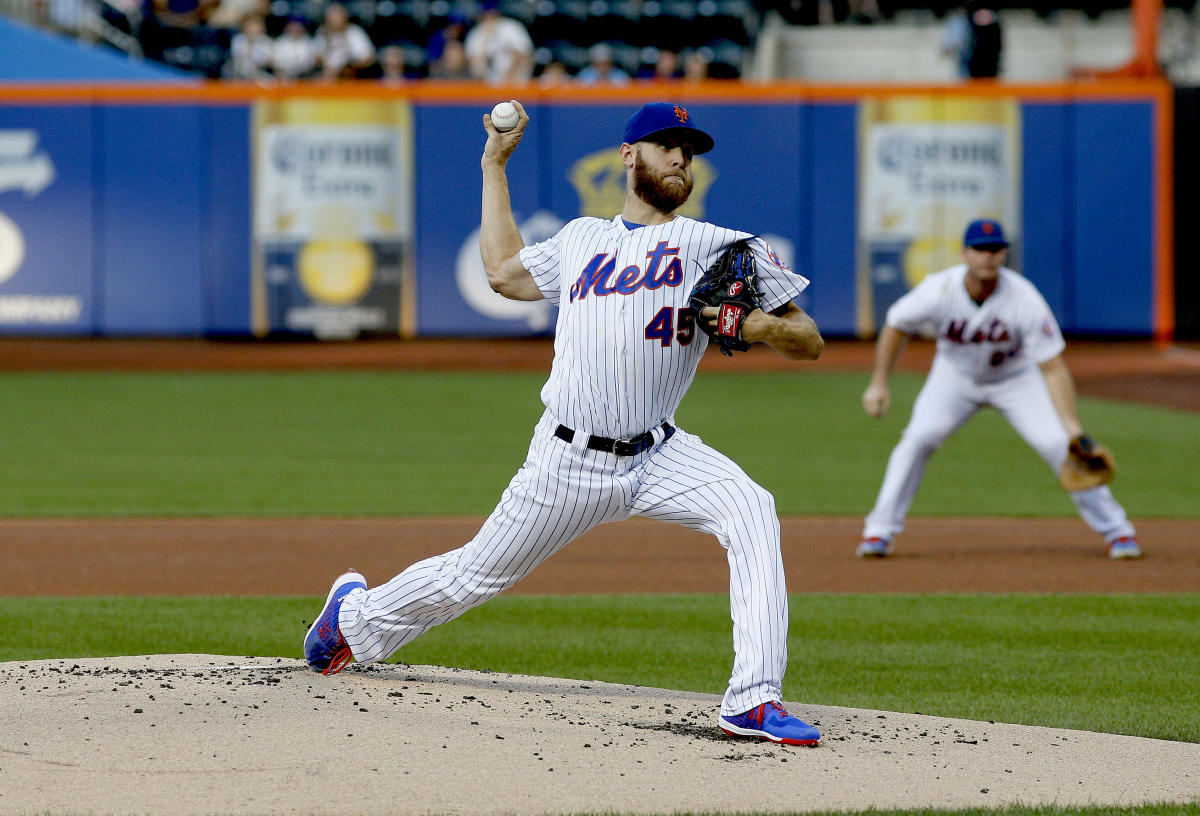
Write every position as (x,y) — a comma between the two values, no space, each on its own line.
(640,298)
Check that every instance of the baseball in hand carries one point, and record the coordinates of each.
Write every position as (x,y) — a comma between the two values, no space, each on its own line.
(504,116)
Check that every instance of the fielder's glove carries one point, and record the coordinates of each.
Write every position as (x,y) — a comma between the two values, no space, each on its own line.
(1088,465)
(731,285)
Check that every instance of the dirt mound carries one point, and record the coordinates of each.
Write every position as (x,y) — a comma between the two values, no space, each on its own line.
(197,734)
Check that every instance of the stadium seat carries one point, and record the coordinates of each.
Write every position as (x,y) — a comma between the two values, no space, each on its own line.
(725,59)
(397,22)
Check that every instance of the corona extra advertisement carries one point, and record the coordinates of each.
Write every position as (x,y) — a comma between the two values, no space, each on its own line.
(332,216)
(928,165)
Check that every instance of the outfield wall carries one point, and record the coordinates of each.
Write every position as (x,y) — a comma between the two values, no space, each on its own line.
(336,210)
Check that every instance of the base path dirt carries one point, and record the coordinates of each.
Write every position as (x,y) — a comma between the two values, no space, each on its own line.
(301,556)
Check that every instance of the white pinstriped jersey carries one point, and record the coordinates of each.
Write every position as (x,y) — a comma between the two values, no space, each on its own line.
(626,345)
(1008,333)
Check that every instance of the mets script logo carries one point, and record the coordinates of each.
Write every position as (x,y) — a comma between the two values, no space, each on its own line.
(598,278)
(994,332)
(681,114)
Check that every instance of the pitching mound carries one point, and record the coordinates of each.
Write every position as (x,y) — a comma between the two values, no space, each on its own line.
(199,734)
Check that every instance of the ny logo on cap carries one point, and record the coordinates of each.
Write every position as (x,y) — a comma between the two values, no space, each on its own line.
(681,114)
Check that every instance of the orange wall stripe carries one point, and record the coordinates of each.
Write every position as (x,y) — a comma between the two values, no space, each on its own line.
(457,92)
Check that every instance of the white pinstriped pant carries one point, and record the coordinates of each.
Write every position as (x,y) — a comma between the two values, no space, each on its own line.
(562,491)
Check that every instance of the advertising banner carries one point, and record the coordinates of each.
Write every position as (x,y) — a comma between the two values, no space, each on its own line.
(46,240)
(332,216)
(928,165)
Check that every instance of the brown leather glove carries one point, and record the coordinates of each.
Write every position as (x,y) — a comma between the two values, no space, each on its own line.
(1088,465)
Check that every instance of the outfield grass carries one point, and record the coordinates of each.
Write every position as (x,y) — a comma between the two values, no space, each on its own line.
(412,443)
(1118,664)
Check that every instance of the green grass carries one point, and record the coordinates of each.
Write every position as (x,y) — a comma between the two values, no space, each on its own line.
(1024,810)
(413,443)
(1120,664)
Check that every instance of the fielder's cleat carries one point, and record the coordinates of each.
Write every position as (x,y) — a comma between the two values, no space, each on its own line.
(769,721)
(874,548)
(324,647)
(1124,547)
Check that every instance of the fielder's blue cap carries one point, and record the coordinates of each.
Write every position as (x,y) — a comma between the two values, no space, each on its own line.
(984,232)
(659,117)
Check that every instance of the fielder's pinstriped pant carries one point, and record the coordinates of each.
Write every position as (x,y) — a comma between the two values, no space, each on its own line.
(562,491)
(945,403)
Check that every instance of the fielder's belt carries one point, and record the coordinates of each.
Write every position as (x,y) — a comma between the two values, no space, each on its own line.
(621,447)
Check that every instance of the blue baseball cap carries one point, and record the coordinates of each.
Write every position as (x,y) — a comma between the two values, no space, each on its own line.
(659,117)
(984,232)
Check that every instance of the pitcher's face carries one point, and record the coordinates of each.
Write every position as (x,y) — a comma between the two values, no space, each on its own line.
(662,173)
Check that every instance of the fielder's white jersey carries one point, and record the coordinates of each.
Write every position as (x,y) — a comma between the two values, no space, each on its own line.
(627,345)
(1012,330)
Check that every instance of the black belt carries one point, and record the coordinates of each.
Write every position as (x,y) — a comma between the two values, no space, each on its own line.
(621,447)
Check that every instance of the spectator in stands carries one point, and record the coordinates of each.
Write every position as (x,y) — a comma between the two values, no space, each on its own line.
(251,51)
(344,50)
(229,15)
(973,37)
(452,64)
(666,67)
(602,68)
(499,48)
(555,75)
(392,67)
(695,66)
(455,30)
(295,54)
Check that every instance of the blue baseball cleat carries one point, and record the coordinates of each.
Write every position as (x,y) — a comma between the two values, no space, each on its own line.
(1124,547)
(770,721)
(324,647)
(874,548)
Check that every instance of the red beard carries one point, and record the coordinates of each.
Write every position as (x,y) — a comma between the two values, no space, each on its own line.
(660,192)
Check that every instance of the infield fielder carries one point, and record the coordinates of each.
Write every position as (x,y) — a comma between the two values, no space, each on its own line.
(999,346)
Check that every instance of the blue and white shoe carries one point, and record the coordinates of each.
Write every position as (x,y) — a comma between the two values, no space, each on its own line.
(324,647)
(769,721)
(1124,547)
(874,548)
